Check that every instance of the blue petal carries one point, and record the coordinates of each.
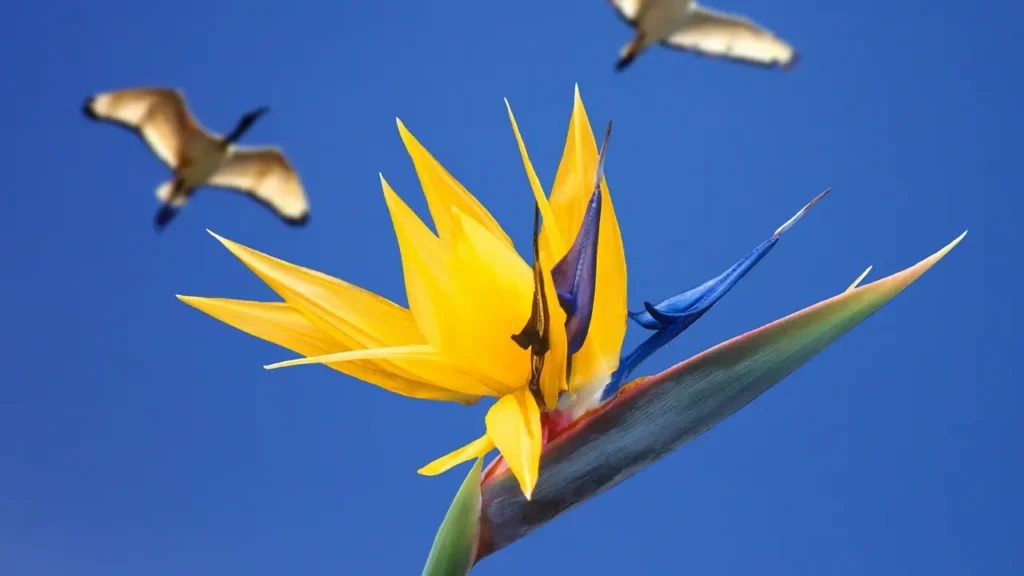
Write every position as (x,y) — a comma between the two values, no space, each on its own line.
(575,275)
(672,316)
(662,318)
(697,300)
(678,313)
(644,319)
(656,317)
(669,307)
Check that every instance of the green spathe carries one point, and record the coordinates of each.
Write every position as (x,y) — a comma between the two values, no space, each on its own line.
(454,549)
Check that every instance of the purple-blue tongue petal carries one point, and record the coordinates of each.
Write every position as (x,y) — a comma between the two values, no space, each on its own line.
(575,275)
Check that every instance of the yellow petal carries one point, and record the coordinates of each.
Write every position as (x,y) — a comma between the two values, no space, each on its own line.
(552,378)
(280,324)
(423,351)
(574,180)
(494,289)
(475,449)
(275,322)
(355,318)
(513,424)
(444,192)
(569,196)
(424,265)
(550,237)
(433,300)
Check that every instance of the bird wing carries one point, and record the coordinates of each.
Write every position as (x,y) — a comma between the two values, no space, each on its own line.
(159,115)
(627,9)
(733,37)
(267,176)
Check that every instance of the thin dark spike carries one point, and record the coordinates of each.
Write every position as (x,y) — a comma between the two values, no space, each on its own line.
(534,336)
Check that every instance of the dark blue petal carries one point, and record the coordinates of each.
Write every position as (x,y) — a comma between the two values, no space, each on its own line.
(672,316)
(575,275)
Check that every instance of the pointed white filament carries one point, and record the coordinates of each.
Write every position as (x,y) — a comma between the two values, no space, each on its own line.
(858,280)
(789,223)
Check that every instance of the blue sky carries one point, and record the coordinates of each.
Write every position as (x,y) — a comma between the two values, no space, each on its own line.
(141,437)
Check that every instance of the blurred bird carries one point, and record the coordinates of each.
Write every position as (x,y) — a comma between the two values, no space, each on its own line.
(685,25)
(200,158)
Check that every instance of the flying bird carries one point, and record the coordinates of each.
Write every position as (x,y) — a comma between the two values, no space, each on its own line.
(198,157)
(685,25)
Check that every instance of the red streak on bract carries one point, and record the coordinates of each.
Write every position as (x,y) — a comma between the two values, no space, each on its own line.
(552,424)
(556,423)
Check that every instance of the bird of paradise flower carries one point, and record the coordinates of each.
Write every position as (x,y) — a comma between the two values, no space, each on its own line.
(551,355)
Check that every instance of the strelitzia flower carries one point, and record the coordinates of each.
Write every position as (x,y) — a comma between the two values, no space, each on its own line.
(452,343)
(565,425)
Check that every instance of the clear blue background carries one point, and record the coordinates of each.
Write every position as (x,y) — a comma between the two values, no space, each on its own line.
(139,436)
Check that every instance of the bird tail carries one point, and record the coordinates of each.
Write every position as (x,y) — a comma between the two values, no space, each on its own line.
(164,215)
(629,53)
(173,198)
